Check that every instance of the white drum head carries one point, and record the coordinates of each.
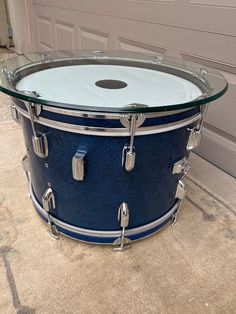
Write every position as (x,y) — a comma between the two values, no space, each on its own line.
(100,85)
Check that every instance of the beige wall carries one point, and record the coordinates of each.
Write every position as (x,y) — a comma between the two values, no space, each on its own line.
(20,14)
(199,30)
(4,40)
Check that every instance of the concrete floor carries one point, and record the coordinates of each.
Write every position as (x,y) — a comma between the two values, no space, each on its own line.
(188,268)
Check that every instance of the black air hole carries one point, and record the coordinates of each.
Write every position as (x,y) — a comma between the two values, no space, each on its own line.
(111,84)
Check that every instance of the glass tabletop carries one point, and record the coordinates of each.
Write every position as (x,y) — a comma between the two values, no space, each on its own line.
(106,81)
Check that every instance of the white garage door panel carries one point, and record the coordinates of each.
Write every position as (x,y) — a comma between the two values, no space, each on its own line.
(214,64)
(180,13)
(203,31)
(65,35)
(214,46)
(136,46)
(91,38)
(222,113)
(45,32)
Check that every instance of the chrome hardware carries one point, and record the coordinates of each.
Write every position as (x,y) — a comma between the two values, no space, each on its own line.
(97,51)
(180,195)
(157,59)
(128,158)
(106,234)
(128,153)
(25,165)
(110,116)
(99,54)
(126,119)
(37,109)
(203,73)
(194,139)
(196,132)
(136,105)
(175,217)
(5,70)
(122,243)
(48,201)
(46,58)
(40,145)
(102,131)
(78,165)
(14,113)
(40,142)
(10,76)
(33,93)
(181,166)
(181,190)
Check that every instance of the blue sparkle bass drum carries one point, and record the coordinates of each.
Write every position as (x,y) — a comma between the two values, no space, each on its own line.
(107,138)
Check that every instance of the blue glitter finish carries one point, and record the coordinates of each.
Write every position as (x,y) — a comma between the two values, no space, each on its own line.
(93,203)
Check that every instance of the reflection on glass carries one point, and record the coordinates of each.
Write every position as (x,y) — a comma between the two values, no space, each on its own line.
(109,81)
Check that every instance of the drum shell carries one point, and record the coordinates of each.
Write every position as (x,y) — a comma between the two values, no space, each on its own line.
(93,203)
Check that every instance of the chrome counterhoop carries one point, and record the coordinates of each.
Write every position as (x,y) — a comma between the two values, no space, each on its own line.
(110,116)
(101,233)
(100,131)
(105,115)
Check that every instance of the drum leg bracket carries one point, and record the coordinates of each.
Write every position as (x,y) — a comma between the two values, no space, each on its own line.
(39,141)
(180,195)
(196,133)
(25,166)
(48,201)
(14,113)
(175,216)
(53,232)
(122,243)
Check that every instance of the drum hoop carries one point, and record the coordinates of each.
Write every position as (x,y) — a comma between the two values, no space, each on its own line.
(102,115)
(102,131)
(101,233)
(108,116)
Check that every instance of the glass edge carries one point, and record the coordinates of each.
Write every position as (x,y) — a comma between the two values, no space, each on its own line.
(17,94)
(82,108)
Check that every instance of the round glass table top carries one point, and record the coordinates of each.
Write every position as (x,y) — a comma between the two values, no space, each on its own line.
(109,81)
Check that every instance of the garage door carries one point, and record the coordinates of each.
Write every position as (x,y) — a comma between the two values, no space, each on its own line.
(197,30)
